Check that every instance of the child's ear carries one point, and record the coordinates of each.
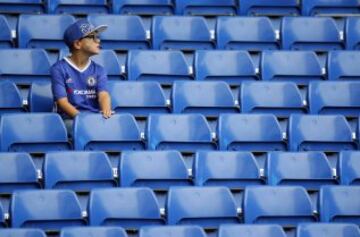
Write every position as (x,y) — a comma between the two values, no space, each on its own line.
(77,44)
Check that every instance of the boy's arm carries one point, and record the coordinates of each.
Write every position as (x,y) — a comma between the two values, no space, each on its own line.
(105,104)
(66,107)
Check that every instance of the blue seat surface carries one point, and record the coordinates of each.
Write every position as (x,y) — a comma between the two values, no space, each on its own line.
(284,66)
(49,210)
(33,132)
(310,33)
(251,230)
(174,231)
(207,207)
(233,67)
(93,132)
(162,66)
(330,7)
(40,98)
(79,171)
(130,208)
(22,6)
(250,132)
(207,98)
(269,8)
(349,167)
(341,65)
(2,219)
(5,33)
(10,98)
(155,169)
(17,172)
(77,7)
(123,32)
(278,98)
(206,8)
(15,232)
(235,170)
(320,133)
(330,230)
(352,33)
(108,59)
(340,204)
(93,231)
(310,170)
(143,7)
(329,98)
(181,32)
(246,33)
(286,206)
(139,98)
(43,31)
(185,132)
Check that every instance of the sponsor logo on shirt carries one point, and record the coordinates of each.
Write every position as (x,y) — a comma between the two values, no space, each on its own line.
(90,94)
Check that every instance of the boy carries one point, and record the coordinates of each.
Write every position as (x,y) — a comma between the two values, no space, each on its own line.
(79,84)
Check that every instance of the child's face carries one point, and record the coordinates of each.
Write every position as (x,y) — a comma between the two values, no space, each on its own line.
(91,44)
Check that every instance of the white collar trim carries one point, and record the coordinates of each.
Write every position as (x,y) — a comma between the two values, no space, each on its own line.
(75,67)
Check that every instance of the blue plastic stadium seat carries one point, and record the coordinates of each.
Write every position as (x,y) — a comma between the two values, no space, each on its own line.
(10,98)
(250,132)
(286,206)
(22,6)
(173,231)
(330,7)
(109,60)
(246,33)
(181,32)
(162,66)
(320,133)
(93,231)
(340,204)
(284,66)
(123,32)
(185,132)
(33,132)
(5,33)
(310,170)
(155,169)
(209,98)
(233,67)
(235,170)
(49,210)
(130,208)
(15,232)
(278,98)
(93,132)
(143,7)
(40,98)
(251,230)
(43,31)
(352,33)
(139,98)
(329,98)
(342,65)
(327,229)
(207,207)
(17,171)
(77,7)
(269,8)
(206,8)
(349,167)
(79,171)
(310,33)
(2,219)
(24,66)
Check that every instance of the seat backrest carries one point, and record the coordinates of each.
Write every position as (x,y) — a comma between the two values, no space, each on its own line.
(307,169)
(94,132)
(43,31)
(162,66)
(33,132)
(251,230)
(123,32)
(246,33)
(207,207)
(327,229)
(185,132)
(289,70)
(79,171)
(235,170)
(286,206)
(329,7)
(40,98)
(352,33)
(17,172)
(341,65)
(155,169)
(130,208)
(10,98)
(206,8)
(93,231)
(139,98)
(174,231)
(5,33)
(205,97)
(320,133)
(108,59)
(269,8)
(181,32)
(49,210)
(278,98)
(22,6)
(143,7)
(349,167)
(250,132)
(22,233)
(310,33)
(77,7)
(233,67)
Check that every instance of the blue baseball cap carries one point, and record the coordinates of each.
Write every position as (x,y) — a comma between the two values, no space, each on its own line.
(80,29)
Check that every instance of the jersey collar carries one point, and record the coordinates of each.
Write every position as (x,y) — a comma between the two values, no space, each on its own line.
(75,67)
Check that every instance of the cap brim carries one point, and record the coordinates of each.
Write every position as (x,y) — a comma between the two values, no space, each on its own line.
(99,29)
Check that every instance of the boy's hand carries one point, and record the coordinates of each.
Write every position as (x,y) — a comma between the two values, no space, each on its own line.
(107,113)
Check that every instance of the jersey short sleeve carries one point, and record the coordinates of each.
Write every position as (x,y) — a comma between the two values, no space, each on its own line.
(57,82)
